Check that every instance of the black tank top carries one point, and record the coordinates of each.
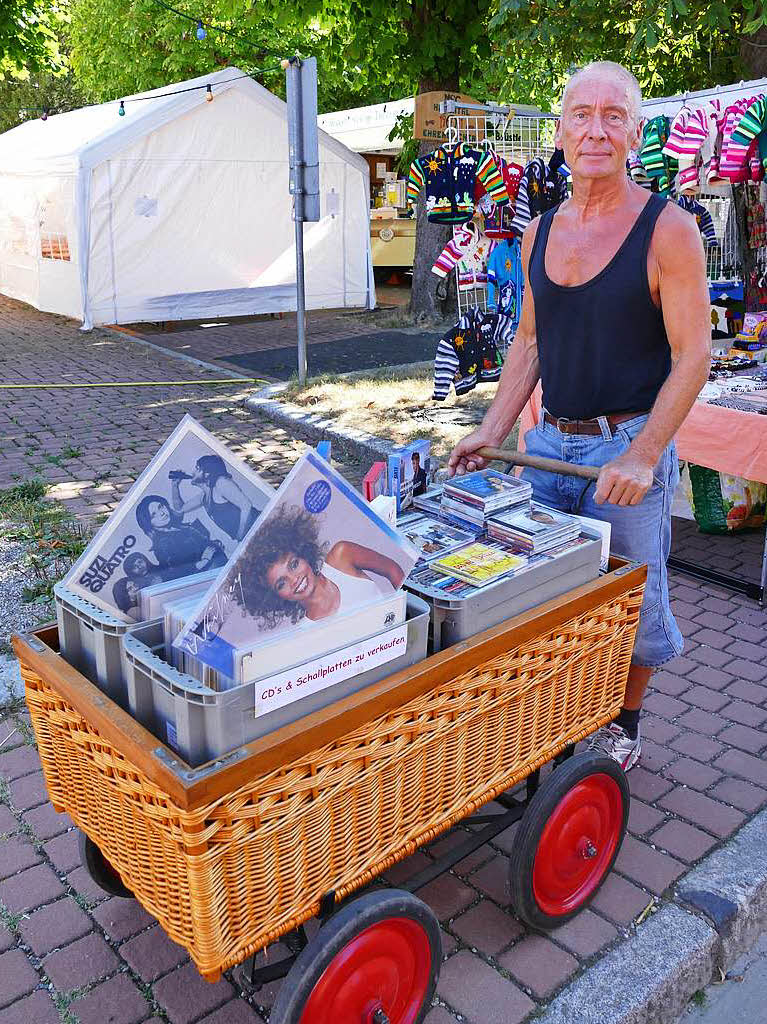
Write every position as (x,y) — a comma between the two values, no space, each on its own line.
(602,345)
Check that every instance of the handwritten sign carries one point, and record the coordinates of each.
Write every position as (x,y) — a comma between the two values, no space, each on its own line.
(320,673)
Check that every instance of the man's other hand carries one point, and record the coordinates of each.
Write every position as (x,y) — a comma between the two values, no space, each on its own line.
(624,481)
(464,458)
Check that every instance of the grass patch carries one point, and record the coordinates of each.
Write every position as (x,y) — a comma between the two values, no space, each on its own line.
(396,405)
(51,538)
(698,998)
(11,921)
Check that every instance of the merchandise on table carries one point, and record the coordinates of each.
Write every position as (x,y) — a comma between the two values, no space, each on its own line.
(340,632)
(316,551)
(432,503)
(155,598)
(460,610)
(374,482)
(486,491)
(431,536)
(185,514)
(202,724)
(537,530)
(479,564)
(408,472)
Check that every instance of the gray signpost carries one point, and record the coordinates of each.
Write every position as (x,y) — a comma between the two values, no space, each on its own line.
(303,146)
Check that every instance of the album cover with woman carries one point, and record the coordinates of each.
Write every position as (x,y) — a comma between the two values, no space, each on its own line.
(185,514)
(317,551)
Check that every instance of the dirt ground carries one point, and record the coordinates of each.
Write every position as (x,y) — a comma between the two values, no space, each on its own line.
(397,405)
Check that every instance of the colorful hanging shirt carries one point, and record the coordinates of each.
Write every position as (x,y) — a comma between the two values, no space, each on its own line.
(703,219)
(449,176)
(468,250)
(751,126)
(505,268)
(542,188)
(467,354)
(660,168)
(738,164)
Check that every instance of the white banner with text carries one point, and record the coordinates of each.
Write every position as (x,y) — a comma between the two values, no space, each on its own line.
(322,672)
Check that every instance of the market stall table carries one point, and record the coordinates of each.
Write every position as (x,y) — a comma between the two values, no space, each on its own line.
(726,440)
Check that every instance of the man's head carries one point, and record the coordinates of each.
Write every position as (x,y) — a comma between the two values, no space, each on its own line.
(600,121)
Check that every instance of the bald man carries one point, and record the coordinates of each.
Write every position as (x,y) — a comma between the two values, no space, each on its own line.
(615,324)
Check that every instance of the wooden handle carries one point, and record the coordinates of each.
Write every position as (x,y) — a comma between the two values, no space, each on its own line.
(515,458)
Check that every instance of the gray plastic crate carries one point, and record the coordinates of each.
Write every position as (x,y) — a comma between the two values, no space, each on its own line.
(201,724)
(91,640)
(455,619)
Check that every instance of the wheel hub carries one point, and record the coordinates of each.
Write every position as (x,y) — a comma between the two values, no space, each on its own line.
(587,849)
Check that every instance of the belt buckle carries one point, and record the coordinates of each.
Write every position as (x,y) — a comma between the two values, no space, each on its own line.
(560,420)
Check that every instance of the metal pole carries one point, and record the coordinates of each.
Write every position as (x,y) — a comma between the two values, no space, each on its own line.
(296,156)
(300,300)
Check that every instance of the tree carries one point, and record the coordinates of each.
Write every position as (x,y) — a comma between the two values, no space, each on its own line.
(29,36)
(670,45)
(42,92)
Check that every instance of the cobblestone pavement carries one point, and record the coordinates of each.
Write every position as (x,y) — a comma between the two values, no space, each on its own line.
(91,443)
(69,953)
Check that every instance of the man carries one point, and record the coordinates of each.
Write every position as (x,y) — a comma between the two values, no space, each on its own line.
(615,324)
(419,474)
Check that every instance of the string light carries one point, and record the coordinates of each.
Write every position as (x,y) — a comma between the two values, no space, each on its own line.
(215,28)
(208,88)
(201,33)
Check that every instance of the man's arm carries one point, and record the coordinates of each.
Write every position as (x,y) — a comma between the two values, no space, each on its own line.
(681,267)
(518,379)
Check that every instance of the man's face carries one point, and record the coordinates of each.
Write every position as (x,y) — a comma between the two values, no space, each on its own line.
(597,127)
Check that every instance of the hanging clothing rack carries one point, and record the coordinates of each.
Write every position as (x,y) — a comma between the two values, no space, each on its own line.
(671,104)
(513,136)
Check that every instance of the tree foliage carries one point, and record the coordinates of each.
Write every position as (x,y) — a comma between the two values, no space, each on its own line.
(29,36)
(21,100)
(670,45)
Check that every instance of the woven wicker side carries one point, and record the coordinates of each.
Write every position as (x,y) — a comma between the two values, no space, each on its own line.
(228,878)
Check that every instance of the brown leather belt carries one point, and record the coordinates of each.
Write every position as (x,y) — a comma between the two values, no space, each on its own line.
(566,426)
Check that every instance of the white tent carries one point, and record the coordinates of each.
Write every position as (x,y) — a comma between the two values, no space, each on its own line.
(177,210)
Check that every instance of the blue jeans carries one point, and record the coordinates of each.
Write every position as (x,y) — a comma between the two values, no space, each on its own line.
(641,533)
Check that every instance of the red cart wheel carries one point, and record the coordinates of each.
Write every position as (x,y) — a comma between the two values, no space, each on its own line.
(376,961)
(100,870)
(568,839)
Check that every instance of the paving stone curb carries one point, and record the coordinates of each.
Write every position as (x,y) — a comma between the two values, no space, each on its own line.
(362,445)
(718,911)
(729,887)
(646,980)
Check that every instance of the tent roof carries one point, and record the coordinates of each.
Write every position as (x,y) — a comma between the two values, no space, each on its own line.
(85,137)
(366,129)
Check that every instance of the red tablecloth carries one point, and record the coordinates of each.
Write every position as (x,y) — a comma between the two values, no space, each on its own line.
(722,439)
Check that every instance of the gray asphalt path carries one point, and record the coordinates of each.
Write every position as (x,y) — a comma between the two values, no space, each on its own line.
(741,998)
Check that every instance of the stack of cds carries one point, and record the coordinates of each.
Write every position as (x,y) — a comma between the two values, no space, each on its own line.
(475,497)
(536,529)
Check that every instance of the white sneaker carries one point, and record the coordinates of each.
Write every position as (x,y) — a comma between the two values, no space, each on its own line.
(615,742)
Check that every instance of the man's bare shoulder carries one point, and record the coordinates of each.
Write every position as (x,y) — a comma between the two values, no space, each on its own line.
(676,233)
(528,238)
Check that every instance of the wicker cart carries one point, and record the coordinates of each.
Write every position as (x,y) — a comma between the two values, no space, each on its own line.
(233,855)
